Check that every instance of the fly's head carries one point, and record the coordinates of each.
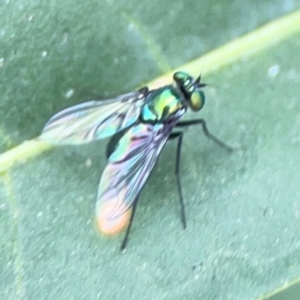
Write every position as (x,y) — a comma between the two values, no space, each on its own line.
(191,89)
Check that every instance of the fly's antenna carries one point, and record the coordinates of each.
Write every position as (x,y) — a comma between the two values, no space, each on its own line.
(198,79)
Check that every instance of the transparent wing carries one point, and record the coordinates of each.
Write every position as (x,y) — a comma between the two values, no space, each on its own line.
(93,120)
(130,166)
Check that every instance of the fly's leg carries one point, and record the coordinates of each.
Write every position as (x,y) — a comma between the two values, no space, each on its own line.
(124,242)
(205,131)
(179,135)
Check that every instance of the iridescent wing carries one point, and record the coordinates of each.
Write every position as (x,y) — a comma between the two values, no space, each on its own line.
(129,168)
(93,120)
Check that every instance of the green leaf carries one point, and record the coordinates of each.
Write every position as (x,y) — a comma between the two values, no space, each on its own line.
(243,209)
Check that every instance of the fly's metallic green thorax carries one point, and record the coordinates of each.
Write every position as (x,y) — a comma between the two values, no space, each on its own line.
(191,89)
(162,104)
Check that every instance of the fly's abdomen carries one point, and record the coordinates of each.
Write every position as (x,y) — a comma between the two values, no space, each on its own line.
(161,105)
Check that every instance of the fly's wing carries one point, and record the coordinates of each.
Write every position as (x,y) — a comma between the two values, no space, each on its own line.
(129,168)
(93,120)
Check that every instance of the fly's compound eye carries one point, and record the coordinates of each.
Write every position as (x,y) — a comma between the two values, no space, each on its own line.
(196,100)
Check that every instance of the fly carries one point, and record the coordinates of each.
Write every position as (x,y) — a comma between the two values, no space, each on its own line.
(139,124)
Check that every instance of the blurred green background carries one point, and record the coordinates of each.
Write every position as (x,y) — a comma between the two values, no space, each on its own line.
(243,209)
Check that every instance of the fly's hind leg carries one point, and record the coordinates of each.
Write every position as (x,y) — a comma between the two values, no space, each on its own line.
(124,242)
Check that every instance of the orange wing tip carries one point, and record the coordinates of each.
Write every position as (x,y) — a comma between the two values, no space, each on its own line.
(111,226)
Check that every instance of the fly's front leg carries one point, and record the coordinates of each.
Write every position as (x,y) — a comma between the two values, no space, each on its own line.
(205,131)
(179,135)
